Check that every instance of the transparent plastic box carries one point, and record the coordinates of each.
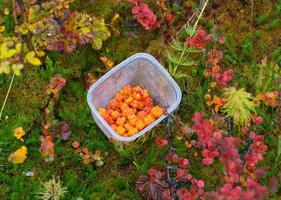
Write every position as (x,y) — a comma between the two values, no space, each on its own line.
(140,69)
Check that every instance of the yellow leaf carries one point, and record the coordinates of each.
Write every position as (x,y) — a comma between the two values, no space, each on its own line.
(108,63)
(5,67)
(6,11)
(2,29)
(18,133)
(5,52)
(40,53)
(208,99)
(18,47)
(16,68)
(18,156)
(30,57)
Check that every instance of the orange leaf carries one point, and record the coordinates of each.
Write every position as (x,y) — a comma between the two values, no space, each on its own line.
(18,156)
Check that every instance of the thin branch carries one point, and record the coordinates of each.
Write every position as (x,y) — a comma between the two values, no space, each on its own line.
(200,15)
(193,15)
(188,22)
(14,12)
(252,12)
(24,12)
(7,95)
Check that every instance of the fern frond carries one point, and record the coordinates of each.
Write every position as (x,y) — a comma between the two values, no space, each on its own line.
(178,60)
(239,105)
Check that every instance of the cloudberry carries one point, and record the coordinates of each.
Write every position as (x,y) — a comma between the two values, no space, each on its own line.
(157,111)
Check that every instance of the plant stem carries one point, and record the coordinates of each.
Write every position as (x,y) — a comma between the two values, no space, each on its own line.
(200,15)
(7,95)
(252,12)
(171,151)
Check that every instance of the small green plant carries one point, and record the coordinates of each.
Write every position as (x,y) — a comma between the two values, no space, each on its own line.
(239,105)
(268,73)
(179,56)
(53,190)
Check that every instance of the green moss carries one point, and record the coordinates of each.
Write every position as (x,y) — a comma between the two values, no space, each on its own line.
(274,24)
(262,19)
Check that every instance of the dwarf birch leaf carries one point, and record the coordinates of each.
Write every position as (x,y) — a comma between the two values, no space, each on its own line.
(30,57)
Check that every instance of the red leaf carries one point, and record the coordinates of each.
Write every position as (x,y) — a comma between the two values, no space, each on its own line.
(198,116)
(56,84)
(214,56)
(200,183)
(161,142)
(63,130)
(183,162)
(75,144)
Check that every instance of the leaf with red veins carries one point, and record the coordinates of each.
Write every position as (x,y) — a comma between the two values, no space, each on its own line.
(152,186)
(214,56)
(161,142)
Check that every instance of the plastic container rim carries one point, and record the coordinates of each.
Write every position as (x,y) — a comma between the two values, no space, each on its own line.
(160,68)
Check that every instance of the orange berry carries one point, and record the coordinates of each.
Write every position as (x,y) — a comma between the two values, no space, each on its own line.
(134,104)
(114,127)
(144,94)
(127,89)
(120,130)
(128,127)
(128,100)
(147,109)
(137,96)
(115,114)
(140,105)
(131,117)
(123,106)
(148,119)
(102,111)
(109,120)
(140,125)
(137,89)
(148,101)
(120,121)
(157,111)
(141,114)
(113,104)
(132,131)
(119,97)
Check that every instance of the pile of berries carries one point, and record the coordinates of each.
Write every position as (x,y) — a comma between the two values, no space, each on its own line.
(130,111)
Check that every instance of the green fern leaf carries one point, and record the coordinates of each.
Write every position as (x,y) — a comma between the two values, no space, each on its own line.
(239,105)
